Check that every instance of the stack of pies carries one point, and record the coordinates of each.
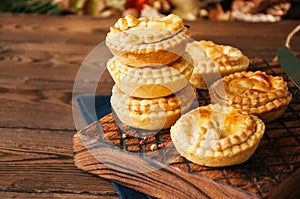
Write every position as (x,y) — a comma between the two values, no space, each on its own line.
(151,71)
(156,70)
(213,61)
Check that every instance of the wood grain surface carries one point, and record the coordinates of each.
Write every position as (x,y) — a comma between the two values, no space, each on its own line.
(39,59)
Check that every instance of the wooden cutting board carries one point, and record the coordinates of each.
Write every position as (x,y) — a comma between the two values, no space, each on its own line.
(272,172)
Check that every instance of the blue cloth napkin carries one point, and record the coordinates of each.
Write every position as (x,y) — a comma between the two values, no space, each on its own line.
(93,112)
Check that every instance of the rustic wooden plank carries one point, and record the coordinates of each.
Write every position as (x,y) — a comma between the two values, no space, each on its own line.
(11,194)
(53,28)
(37,77)
(144,174)
(53,52)
(43,178)
(164,173)
(41,162)
(220,28)
(38,103)
(251,41)
(16,85)
(32,114)
(59,62)
(42,85)
(292,183)
(38,69)
(95,25)
(46,36)
(254,39)
(42,102)
(69,23)
(37,140)
(92,31)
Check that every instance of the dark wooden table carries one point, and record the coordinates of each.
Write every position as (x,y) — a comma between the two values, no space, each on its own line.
(39,59)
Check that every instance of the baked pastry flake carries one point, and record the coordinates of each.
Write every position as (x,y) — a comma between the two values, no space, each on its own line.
(216,135)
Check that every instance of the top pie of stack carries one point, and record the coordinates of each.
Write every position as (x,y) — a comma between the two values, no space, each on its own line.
(148,41)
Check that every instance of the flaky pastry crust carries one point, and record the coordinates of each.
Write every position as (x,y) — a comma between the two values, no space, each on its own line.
(212,61)
(148,41)
(151,82)
(151,114)
(263,95)
(216,135)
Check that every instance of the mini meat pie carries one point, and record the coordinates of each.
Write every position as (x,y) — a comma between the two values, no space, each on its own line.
(151,114)
(263,95)
(216,135)
(151,82)
(148,41)
(212,61)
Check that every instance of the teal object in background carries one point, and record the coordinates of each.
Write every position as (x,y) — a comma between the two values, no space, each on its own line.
(290,64)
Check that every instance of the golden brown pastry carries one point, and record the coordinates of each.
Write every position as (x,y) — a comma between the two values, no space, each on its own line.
(216,135)
(148,41)
(213,61)
(151,114)
(263,95)
(151,82)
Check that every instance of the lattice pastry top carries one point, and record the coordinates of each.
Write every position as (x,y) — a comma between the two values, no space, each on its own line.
(146,30)
(148,41)
(256,91)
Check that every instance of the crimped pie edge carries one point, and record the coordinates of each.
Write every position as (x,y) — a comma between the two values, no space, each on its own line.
(118,47)
(181,99)
(151,120)
(138,86)
(182,127)
(255,104)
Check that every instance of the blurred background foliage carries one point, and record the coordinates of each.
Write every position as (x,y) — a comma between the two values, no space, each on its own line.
(245,10)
